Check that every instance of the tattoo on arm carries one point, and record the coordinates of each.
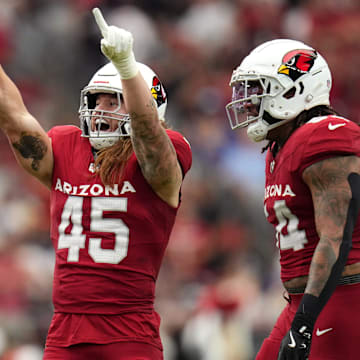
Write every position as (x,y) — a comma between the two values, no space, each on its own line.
(31,147)
(323,260)
(331,194)
(153,149)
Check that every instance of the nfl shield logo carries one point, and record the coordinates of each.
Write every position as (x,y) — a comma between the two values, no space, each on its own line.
(272,166)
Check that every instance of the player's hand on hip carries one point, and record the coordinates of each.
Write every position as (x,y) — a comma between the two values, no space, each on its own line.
(295,345)
(117,46)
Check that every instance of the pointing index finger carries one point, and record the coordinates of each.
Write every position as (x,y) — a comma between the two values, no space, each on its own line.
(103,26)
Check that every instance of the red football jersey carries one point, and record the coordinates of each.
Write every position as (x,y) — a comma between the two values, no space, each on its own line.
(109,240)
(109,243)
(287,199)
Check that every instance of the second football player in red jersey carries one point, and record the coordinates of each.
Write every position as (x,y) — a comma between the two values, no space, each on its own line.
(115,191)
(312,193)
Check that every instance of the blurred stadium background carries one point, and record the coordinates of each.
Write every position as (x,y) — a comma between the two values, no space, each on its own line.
(219,291)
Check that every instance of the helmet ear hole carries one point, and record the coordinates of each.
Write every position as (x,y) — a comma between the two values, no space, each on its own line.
(301,87)
(290,93)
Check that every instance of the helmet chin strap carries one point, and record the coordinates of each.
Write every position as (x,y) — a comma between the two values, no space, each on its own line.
(99,143)
(99,140)
(259,130)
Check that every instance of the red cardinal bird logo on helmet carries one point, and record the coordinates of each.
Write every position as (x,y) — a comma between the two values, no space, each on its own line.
(157,91)
(297,63)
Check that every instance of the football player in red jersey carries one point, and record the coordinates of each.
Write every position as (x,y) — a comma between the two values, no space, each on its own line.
(115,190)
(312,192)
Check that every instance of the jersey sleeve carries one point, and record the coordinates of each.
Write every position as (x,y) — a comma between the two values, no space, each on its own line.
(57,141)
(182,148)
(52,133)
(61,134)
(57,131)
(331,137)
(63,142)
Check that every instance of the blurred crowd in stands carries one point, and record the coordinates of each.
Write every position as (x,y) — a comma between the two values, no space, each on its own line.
(219,290)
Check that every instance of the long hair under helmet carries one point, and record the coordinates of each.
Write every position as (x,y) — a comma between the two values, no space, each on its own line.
(281,78)
(107,80)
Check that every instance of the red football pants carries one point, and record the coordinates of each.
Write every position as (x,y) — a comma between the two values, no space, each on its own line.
(336,333)
(114,351)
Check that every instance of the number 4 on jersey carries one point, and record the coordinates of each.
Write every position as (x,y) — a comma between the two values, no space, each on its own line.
(294,239)
(73,210)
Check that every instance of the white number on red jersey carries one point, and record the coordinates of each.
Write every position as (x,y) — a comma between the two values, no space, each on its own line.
(295,238)
(73,209)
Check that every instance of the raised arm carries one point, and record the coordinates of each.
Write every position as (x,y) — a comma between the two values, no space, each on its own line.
(30,143)
(154,150)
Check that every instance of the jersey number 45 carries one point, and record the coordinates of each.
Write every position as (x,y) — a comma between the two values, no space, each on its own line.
(75,240)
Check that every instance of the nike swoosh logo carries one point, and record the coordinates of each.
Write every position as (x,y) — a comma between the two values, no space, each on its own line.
(335,126)
(293,342)
(322,332)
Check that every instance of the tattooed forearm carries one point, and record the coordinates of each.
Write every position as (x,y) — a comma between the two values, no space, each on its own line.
(31,147)
(323,260)
(155,154)
(152,146)
(142,125)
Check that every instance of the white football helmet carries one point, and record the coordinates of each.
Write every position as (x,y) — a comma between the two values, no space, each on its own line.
(107,80)
(280,78)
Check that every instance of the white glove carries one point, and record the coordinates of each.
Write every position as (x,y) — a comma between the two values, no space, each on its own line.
(117,46)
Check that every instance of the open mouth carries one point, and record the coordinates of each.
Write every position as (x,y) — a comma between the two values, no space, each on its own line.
(252,110)
(252,113)
(102,125)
